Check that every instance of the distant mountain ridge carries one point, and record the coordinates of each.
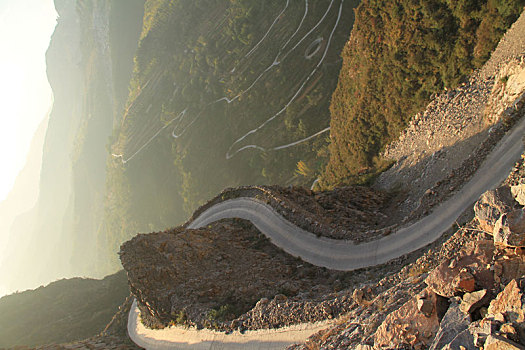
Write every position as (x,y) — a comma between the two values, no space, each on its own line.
(57,237)
(24,193)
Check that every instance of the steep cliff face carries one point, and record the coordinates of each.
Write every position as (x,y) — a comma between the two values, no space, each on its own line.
(110,32)
(57,238)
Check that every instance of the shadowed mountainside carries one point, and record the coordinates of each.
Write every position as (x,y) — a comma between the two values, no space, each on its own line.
(65,310)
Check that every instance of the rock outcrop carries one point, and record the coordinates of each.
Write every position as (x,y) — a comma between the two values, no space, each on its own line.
(409,324)
(491,205)
(211,276)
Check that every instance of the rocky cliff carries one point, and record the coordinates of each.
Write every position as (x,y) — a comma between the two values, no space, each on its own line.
(210,277)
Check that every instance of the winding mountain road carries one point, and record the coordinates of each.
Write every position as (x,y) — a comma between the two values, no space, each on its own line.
(333,254)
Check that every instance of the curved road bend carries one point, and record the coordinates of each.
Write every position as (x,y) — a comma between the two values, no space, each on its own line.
(345,255)
(333,254)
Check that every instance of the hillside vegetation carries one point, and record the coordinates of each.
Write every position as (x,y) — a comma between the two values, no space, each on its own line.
(220,89)
(399,54)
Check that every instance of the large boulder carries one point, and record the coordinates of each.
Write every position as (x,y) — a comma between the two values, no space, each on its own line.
(453,323)
(510,229)
(508,266)
(464,273)
(408,325)
(464,341)
(492,205)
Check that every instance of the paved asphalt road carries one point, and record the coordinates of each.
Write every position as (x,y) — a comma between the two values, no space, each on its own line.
(333,254)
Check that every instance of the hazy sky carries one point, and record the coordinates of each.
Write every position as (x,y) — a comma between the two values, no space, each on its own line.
(25,96)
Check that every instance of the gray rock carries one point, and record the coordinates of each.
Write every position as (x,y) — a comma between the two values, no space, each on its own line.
(453,323)
(482,329)
(464,340)
(518,192)
(474,300)
(510,229)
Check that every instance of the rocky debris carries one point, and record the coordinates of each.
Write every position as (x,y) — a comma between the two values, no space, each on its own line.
(510,229)
(509,84)
(478,286)
(510,47)
(491,205)
(283,311)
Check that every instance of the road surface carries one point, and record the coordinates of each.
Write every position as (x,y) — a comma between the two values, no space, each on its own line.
(333,254)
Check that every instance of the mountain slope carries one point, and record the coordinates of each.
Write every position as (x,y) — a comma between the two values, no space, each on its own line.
(62,311)
(400,53)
